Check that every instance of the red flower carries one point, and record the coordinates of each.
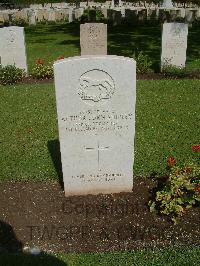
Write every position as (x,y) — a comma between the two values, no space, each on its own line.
(196,148)
(40,61)
(197,188)
(61,57)
(171,161)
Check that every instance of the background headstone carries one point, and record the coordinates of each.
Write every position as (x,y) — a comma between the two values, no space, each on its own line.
(167,4)
(52,15)
(174,44)
(12,47)
(71,17)
(93,39)
(31,16)
(96,117)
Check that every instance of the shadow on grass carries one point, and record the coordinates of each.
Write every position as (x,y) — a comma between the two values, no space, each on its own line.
(46,33)
(54,150)
(11,253)
(193,51)
(69,42)
(126,40)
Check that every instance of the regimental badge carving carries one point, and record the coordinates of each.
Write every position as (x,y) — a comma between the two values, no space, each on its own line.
(178,30)
(95,86)
(11,37)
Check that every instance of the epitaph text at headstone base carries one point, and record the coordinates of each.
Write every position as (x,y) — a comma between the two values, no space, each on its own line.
(96,117)
(12,47)
(93,39)
(174,44)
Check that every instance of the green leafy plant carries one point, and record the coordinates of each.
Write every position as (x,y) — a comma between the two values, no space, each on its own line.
(42,70)
(99,15)
(180,191)
(143,63)
(170,70)
(173,71)
(19,22)
(10,74)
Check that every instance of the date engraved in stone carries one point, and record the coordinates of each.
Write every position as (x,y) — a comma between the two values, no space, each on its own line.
(95,86)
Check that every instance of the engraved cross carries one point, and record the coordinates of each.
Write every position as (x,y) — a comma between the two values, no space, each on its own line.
(99,148)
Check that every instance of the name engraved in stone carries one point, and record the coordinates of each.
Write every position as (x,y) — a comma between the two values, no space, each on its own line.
(97,120)
(174,43)
(97,177)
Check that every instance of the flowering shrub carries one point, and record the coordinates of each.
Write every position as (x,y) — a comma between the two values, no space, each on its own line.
(10,74)
(196,148)
(180,191)
(39,61)
(171,161)
(41,70)
(61,57)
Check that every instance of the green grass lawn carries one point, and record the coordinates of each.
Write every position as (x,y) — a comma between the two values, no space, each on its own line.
(51,41)
(163,257)
(167,123)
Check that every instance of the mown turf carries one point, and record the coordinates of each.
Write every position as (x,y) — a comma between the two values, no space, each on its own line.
(51,41)
(28,124)
(167,124)
(165,257)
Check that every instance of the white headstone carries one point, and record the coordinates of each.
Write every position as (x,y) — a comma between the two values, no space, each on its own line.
(12,47)
(182,12)
(174,44)
(93,39)
(104,12)
(167,4)
(52,15)
(31,16)
(71,15)
(96,117)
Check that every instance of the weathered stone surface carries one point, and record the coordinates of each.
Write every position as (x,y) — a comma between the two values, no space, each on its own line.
(174,44)
(96,117)
(12,47)
(93,39)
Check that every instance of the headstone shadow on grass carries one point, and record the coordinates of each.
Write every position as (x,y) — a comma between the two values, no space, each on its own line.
(11,251)
(54,150)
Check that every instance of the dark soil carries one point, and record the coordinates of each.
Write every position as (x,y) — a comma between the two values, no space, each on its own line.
(147,76)
(38,214)
(158,76)
(30,80)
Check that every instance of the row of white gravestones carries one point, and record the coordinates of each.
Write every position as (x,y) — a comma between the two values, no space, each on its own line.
(96,117)
(12,47)
(93,41)
(174,44)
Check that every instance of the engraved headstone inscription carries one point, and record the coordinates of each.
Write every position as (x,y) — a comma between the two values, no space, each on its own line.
(12,47)
(95,98)
(93,39)
(174,44)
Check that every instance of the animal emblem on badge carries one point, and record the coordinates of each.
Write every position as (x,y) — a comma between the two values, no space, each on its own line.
(95,86)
